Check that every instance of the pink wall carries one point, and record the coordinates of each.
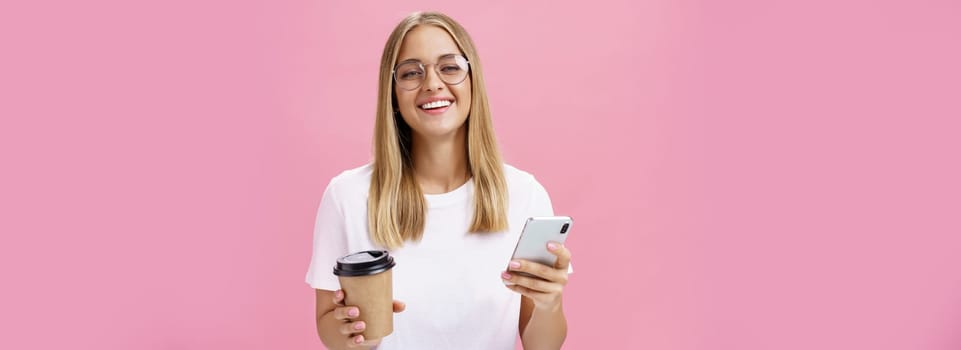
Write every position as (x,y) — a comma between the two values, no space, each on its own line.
(745,174)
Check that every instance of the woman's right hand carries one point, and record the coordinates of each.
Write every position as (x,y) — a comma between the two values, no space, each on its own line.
(351,330)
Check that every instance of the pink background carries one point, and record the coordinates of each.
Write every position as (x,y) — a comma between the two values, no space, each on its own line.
(744,174)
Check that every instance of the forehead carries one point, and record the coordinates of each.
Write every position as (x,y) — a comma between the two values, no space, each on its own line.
(426,43)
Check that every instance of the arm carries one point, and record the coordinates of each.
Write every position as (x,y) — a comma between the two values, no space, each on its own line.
(332,321)
(544,329)
(334,325)
(542,322)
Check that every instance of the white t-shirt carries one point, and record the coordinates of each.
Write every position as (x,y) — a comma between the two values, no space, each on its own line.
(450,280)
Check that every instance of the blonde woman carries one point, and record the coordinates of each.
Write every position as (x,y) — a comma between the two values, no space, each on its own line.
(438,197)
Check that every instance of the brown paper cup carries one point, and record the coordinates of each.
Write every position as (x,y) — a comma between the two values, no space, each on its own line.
(367,280)
(375,298)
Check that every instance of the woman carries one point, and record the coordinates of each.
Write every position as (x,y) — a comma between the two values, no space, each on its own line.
(439,198)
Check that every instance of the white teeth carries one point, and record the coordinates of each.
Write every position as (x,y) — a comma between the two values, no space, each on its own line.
(435,104)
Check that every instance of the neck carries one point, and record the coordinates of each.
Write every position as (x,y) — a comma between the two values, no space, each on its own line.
(440,164)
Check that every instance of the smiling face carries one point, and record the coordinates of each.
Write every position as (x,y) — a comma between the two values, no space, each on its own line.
(435,109)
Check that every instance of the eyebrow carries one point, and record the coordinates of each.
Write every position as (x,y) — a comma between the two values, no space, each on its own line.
(417,60)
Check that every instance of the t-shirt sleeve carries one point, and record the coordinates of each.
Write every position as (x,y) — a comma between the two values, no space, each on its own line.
(541,206)
(540,200)
(330,242)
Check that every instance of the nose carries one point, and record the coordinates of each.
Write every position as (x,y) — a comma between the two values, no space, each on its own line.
(432,81)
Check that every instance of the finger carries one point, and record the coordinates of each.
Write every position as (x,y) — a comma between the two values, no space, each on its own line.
(527,292)
(562,253)
(355,342)
(352,327)
(539,270)
(339,297)
(359,342)
(346,313)
(532,283)
(399,306)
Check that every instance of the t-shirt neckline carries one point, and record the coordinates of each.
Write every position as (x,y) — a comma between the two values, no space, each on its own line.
(456,196)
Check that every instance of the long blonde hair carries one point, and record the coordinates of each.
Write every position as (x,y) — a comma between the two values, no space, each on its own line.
(396,207)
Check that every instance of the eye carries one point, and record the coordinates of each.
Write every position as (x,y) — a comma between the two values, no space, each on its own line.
(411,74)
(450,69)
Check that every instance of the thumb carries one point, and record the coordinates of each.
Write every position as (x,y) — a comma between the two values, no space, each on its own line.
(399,306)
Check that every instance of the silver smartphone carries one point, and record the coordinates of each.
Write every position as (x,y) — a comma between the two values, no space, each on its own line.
(539,230)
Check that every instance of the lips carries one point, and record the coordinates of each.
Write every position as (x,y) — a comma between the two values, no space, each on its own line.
(435,103)
(436,111)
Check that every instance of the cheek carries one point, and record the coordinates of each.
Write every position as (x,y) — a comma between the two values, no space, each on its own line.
(405,99)
(464,95)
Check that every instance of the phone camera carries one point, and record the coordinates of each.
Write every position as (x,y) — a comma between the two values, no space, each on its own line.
(564,228)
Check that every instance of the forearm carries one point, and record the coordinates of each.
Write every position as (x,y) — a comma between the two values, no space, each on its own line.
(547,329)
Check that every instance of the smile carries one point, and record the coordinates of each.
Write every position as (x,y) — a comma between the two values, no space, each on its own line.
(435,104)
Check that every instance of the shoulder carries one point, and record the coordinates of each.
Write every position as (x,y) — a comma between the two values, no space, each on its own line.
(355,183)
(526,194)
(522,184)
(351,184)
(359,176)
(520,179)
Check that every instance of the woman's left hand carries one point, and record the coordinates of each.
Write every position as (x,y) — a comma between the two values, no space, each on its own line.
(545,290)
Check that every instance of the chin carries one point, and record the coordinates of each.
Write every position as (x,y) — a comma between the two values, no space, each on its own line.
(438,131)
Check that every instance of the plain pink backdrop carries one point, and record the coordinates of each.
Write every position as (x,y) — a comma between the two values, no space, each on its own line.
(744,174)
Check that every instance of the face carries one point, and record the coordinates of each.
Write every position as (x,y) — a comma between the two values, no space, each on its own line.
(426,108)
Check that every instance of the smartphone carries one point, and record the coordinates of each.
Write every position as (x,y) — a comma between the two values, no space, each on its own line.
(539,230)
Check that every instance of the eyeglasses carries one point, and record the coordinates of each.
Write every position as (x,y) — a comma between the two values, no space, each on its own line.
(452,69)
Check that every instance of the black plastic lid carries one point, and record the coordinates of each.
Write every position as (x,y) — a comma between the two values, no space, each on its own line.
(364,263)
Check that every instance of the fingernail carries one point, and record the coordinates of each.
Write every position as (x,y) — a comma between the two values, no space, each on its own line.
(353,312)
(359,325)
(340,294)
(506,276)
(551,246)
(359,339)
(515,264)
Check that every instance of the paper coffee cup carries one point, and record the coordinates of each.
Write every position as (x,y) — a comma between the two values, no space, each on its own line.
(366,279)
